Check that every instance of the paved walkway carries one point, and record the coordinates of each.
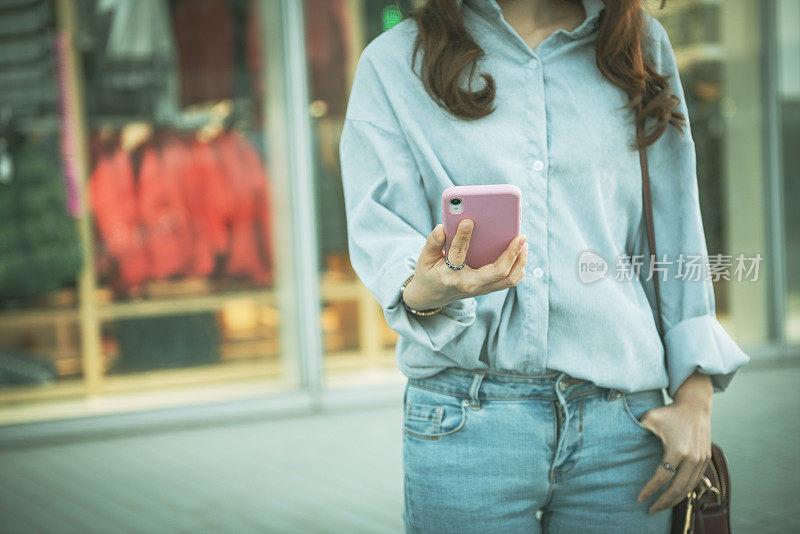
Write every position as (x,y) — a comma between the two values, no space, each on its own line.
(336,472)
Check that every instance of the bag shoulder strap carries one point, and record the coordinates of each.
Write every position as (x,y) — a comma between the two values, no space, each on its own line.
(647,202)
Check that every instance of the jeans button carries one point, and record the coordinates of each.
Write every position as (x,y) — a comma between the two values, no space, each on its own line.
(465,402)
(563,385)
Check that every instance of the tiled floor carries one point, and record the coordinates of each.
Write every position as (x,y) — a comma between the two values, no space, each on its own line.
(336,472)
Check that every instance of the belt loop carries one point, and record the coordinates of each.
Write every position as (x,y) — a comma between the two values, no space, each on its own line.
(477,379)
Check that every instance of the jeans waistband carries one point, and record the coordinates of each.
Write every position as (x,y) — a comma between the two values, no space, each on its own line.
(484,384)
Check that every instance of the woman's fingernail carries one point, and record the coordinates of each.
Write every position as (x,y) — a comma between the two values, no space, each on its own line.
(524,248)
(639,498)
(524,238)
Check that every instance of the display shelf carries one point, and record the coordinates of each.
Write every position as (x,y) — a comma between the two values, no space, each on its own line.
(218,372)
(166,306)
(33,318)
(234,350)
(31,393)
(330,292)
(246,349)
(176,305)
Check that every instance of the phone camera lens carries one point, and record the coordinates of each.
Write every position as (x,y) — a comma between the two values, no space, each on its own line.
(455,201)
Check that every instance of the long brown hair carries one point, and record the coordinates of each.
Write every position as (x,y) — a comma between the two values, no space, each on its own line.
(450,52)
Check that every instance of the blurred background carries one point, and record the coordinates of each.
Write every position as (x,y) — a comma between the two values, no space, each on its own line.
(184,345)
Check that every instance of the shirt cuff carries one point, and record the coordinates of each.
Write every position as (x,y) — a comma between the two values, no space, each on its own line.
(432,331)
(701,344)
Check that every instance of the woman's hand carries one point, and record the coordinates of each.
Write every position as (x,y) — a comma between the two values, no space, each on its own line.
(685,429)
(435,284)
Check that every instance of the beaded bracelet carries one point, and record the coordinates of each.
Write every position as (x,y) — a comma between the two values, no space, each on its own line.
(415,312)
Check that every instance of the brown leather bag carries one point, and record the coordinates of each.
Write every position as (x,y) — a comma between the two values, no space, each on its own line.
(706,509)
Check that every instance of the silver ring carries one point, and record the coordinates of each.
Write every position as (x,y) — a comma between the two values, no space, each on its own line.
(668,466)
(454,267)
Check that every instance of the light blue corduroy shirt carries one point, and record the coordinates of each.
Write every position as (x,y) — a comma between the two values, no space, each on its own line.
(560,133)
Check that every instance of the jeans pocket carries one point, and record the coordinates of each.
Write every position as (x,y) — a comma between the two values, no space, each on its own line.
(432,415)
(636,405)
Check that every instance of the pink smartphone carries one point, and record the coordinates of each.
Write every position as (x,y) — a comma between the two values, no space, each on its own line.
(496,211)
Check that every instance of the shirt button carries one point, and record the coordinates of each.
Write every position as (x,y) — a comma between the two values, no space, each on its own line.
(538,272)
(538,165)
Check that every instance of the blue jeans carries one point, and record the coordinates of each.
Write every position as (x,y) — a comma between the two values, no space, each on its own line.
(486,451)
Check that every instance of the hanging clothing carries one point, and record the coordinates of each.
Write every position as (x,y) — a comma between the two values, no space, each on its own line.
(219,203)
(262,200)
(196,209)
(163,211)
(28,84)
(141,33)
(193,191)
(204,32)
(40,247)
(243,258)
(114,202)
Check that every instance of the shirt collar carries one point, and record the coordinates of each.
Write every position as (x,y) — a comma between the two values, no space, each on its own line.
(593,9)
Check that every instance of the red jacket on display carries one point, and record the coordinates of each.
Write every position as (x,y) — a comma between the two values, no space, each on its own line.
(193,203)
(219,203)
(114,203)
(262,200)
(163,211)
(244,259)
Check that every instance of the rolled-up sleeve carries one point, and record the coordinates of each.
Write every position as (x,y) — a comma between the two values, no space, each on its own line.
(389,219)
(694,339)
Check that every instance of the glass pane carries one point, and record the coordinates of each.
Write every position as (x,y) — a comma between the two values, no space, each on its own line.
(40,246)
(355,334)
(717,46)
(788,23)
(182,186)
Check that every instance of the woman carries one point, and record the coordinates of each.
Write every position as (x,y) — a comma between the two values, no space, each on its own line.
(537,396)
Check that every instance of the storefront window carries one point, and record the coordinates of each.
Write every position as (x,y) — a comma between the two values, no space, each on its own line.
(717,47)
(181,186)
(355,334)
(40,244)
(146,125)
